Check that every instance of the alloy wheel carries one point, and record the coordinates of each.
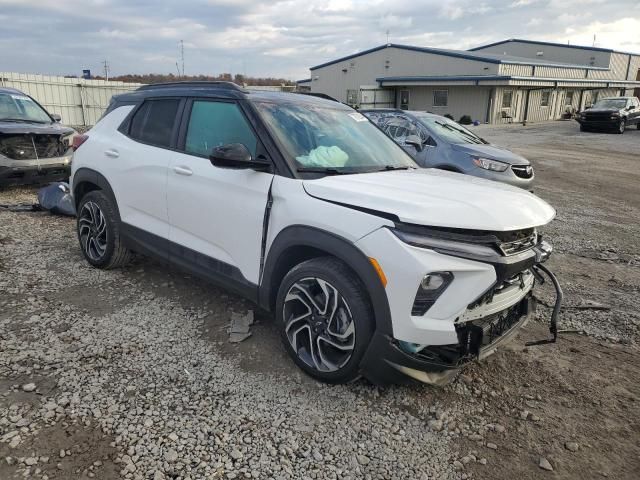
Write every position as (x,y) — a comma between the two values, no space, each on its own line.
(621,126)
(92,229)
(319,324)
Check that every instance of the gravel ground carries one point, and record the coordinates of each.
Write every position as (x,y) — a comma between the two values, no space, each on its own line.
(129,373)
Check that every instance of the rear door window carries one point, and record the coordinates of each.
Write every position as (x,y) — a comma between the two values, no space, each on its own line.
(154,121)
(213,124)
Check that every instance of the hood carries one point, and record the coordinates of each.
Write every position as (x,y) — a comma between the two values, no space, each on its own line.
(34,128)
(492,152)
(601,110)
(436,198)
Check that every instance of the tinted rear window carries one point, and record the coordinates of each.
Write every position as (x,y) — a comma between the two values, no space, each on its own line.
(154,120)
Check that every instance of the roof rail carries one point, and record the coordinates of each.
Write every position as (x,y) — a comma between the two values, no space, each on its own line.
(212,84)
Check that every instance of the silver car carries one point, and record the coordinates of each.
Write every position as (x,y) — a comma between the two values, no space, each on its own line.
(438,142)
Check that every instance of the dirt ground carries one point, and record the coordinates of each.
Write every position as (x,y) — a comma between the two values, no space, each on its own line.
(575,403)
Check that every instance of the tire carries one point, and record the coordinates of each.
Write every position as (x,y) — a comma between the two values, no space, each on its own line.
(621,126)
(98,229)
(638,125)
(349,328)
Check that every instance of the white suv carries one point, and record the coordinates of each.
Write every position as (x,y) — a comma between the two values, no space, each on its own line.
(371,265)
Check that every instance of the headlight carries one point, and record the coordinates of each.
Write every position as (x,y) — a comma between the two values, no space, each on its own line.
(615,115)
(487,164)
(445,246)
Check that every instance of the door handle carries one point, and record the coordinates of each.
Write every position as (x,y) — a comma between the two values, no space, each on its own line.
(183,171)
(112,153)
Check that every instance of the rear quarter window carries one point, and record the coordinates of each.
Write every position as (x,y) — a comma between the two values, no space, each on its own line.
(154,121)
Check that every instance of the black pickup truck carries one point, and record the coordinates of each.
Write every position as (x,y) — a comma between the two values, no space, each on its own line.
(614,113)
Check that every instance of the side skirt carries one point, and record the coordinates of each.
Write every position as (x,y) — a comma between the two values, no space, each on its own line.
(210,269)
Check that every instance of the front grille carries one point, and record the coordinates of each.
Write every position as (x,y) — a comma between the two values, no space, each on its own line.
(518,241)
(598,117)
(30,147)
(522,171)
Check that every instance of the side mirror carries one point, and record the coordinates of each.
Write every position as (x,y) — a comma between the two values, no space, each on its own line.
(415,141)
(237,156)
(56,118)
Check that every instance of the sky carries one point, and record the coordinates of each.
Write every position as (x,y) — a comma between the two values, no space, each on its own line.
(283,38)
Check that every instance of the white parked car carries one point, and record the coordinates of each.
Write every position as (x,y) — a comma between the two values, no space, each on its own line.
(371,265)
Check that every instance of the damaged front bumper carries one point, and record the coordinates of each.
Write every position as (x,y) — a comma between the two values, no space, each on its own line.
(18,172)
(487,323)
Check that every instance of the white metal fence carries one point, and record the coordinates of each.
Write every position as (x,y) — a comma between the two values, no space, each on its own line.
(78,101)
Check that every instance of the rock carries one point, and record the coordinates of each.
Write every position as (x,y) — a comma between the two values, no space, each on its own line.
(571,446)
(482,461)
(499,428)
(15,441)
(29,387)
(173,437)
(363,460)
(171,456)
(524,414)
(458,465)
(492,446)
(31,461)
(465,459)
(10,460)
(62,453)
(545,465)
(435,425)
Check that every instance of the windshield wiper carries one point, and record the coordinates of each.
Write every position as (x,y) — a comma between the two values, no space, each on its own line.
(329,170)
(454,129)
(395,167)
(19,120)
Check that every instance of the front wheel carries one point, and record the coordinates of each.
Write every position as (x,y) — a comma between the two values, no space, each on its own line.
(325,319)
(622,126)
(98,229)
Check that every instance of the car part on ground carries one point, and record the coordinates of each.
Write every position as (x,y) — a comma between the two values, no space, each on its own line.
(34,147)
(371,265)
(614,113)
(56,197)
(438,142)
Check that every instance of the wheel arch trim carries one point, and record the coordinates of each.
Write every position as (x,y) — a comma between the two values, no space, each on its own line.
(88,175)
(301,236)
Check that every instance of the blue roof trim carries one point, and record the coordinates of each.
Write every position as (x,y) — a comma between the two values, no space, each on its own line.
(550,44)
(454,78)
(476,78)
(304,80)
(436,51)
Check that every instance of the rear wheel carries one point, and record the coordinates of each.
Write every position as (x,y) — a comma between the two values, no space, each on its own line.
(325,319)
(638,125)
(98,229)
(583,128)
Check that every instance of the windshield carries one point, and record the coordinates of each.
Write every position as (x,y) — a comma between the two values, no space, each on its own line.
(321,138)
(20,108)
(616,103)
(448,130)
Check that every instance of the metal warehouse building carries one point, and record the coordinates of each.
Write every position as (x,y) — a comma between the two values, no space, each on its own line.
(512,80)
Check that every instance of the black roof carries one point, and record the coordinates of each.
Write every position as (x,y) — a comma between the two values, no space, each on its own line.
(223,90)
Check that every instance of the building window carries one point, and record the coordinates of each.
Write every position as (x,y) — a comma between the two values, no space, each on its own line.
(544,99)
(440,98)
(507,99)
(352,97)
(404,99)
(568,99)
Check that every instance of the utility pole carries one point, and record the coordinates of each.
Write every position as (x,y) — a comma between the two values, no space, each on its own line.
(106,68)
(182,55)
(387,36)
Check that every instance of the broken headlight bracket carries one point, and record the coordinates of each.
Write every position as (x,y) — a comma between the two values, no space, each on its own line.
(543,251)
